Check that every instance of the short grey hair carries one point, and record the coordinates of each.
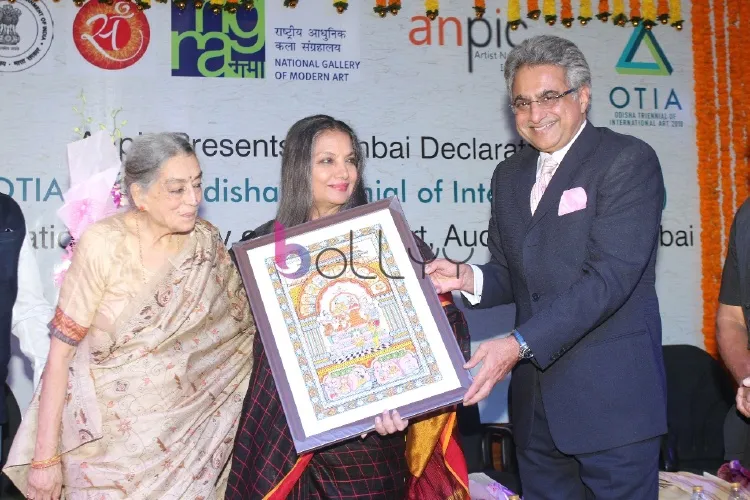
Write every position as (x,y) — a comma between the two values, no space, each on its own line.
(548,50)
(146,155)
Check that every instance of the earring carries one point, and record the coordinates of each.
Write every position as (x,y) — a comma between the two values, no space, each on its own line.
(141,208)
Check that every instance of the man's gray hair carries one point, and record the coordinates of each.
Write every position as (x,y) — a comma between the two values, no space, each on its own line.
(548,50)
(147,153)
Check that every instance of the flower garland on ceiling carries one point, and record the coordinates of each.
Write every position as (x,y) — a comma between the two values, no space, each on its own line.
(649,14)
(646,11)
(532,7)
(585,12)
(604,13)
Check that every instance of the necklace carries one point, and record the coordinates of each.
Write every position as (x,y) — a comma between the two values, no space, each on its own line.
(140,249)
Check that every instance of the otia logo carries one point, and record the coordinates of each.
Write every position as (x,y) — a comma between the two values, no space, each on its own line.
(111,36)
(627,66)
(219,45)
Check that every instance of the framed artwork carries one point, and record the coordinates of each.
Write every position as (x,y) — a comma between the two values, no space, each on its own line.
(350,323)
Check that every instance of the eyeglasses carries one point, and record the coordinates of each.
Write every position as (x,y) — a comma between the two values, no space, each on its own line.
(547,101)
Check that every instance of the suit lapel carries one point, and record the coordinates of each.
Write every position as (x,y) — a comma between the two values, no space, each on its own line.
(576,156)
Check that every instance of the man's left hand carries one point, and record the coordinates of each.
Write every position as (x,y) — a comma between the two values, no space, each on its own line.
(498,358)
(743,397)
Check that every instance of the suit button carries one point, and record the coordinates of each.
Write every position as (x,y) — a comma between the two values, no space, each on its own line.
(534,297)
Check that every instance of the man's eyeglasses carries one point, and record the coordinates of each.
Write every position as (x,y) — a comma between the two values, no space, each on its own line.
(547,101)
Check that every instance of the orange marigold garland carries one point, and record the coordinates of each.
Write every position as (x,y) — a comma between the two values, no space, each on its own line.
(216,6)
(290,3)
(340,6)
(618,13)
(514,14)
(479,8)
(585,14)
(604,12)
(380,8)
(548,10)
(744,102)
(394,6)
(649,14)
(708,181)
(532,7)
(635,12)
(566,14)
(663,11)
(432,9)
(675,12)
(725,160)
(737,29)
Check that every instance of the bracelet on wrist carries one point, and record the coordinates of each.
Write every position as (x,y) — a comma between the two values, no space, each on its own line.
(43,464)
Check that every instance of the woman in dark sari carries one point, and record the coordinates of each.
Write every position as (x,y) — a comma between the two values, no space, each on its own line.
(322,173)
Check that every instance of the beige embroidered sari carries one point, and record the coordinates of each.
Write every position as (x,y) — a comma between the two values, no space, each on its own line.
(160,372)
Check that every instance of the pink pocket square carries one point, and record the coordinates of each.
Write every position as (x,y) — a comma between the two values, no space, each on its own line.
(572,200)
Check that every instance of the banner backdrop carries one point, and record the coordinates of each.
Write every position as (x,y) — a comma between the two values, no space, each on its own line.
(427,98)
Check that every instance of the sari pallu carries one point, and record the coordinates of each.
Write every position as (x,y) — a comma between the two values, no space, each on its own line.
(426,463)
(156,385)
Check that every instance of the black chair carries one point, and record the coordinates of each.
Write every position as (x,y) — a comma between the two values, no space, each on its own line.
(477,440)
(699,395)
(13,412)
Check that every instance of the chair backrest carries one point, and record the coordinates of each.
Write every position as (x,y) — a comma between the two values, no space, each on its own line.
(699,395)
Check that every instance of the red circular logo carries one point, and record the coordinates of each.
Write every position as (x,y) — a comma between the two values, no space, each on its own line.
(111,36)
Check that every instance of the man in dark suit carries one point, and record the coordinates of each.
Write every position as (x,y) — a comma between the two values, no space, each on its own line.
(12,233)
(573,240)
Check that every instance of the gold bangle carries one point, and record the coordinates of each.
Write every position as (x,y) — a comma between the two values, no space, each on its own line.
(43,464)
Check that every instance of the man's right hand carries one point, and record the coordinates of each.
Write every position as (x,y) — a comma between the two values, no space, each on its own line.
(447,276)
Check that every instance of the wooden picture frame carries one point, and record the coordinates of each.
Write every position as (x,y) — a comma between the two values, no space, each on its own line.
(352,328)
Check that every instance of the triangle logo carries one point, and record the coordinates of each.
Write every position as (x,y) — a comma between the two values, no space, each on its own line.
(626,65)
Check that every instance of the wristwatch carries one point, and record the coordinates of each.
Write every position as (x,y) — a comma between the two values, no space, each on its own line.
(524,352)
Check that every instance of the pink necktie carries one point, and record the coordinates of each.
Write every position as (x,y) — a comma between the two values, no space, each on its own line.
(548,169)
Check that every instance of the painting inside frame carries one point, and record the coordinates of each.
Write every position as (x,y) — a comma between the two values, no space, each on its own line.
(350,324)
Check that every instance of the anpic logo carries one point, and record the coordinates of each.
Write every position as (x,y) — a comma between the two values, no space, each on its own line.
(492,37)
(111,36)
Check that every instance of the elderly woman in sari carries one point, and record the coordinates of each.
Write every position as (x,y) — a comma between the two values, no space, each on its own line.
(321,174)
(150,351)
